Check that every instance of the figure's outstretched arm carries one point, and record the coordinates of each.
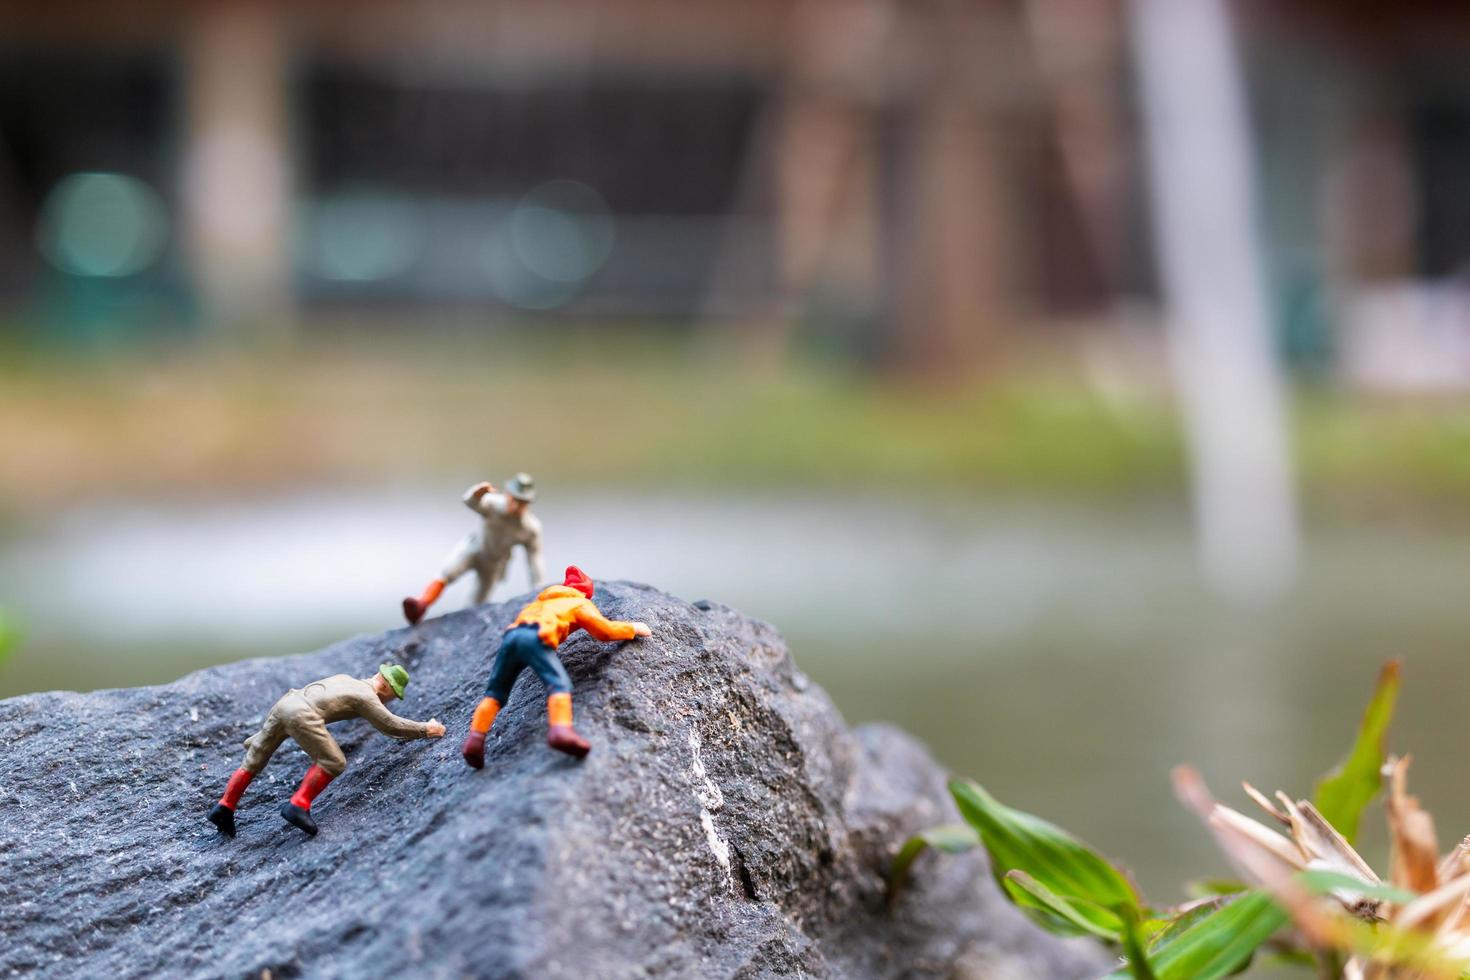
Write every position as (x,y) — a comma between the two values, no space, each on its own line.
(388,723)
(594,622)
(484,499)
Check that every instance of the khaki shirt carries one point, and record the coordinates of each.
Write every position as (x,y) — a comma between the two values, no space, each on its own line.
(342,696)
(502,532)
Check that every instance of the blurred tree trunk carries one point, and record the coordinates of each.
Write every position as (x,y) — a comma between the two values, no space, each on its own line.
(884,161)
(811,168)
(1081,60)
(950,301)
(237,165)
(957,235)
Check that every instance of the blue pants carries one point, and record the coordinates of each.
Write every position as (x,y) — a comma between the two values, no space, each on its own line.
(522,648)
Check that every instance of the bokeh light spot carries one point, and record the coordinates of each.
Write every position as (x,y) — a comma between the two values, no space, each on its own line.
(364,235)
(563,231)
(552,242)
(517,284)
(102,224)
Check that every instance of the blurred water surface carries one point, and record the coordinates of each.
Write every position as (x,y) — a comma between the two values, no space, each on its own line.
(1067,657)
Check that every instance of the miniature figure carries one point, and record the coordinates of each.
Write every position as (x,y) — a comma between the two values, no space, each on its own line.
(508,522)
(304,715)
(531,641)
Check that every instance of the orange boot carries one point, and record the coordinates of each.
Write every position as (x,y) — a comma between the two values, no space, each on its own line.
(474,743)
(414,609)
(561,735)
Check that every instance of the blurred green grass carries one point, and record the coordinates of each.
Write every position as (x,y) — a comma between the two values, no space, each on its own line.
(605,407)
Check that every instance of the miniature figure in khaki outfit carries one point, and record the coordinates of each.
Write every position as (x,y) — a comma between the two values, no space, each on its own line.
(508,522)
(531,641)
(304,714)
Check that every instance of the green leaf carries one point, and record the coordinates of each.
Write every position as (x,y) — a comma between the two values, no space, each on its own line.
(1062,916)
(1211,887)
(1057,861)
(1322,882)
(1138,964)
(1343,793)
(1216,944)
(1167,930)
(1298,958)
(951,838)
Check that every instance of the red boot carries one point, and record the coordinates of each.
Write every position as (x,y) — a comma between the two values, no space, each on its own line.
(414,609)
(561,735)
(474,743)
(564,738)
(474,750)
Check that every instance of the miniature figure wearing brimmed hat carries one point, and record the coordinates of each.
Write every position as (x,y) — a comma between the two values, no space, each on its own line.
(531,641)
(304,714)
(486,551)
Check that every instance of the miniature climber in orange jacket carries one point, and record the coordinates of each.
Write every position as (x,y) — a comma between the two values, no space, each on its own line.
(531,641)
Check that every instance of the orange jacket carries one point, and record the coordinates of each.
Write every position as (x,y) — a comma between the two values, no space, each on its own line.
(561,610)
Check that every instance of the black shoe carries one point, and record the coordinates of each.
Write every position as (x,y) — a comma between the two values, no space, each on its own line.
(223,818)
(298,816)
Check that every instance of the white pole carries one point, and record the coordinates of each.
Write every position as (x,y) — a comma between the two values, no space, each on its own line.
(1199,152)
(237,195)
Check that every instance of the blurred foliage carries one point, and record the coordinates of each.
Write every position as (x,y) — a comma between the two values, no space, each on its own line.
(1070,890)
(1384,453)
(1343,793)
(609,406)
(10,635)
(584,408)
(1058,880)
(950,838)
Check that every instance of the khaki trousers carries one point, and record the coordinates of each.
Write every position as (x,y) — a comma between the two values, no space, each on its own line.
(293,716)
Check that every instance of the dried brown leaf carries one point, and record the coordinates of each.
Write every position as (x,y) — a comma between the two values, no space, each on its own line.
(1262,855)
(1266,804)
(1320,837)
(1250,833)
(1456,862)
(1411,829)
(1427,911)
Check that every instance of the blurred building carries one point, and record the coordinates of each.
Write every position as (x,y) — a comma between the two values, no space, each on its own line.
(885,172)
(911,182)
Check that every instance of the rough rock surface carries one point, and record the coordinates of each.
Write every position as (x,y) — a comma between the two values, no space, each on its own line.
(726,824)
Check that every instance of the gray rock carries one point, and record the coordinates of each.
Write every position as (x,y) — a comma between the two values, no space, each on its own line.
(726,824)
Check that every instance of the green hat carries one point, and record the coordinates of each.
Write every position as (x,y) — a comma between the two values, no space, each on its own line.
(396,677)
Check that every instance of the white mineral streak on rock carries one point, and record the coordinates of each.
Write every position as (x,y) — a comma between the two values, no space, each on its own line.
(717,845)
(710,799)
(709,794)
